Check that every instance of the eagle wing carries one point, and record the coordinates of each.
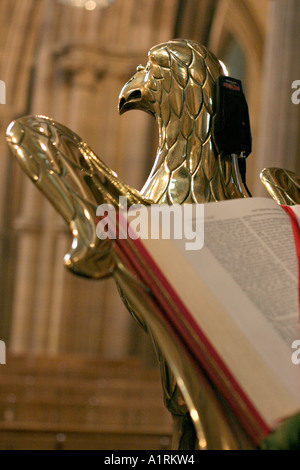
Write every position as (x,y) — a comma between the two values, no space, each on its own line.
(75,181)
(283,185)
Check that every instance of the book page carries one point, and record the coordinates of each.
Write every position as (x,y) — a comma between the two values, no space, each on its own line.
(257,250)
(249,265)
(252,247)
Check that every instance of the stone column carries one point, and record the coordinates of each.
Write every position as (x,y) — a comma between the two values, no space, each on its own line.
(18,20)
(279,136)
(81,61)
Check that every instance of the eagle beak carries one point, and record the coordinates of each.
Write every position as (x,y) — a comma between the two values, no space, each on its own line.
(133,94)
(129,99)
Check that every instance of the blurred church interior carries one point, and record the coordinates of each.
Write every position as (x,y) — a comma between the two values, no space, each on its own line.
(81,373)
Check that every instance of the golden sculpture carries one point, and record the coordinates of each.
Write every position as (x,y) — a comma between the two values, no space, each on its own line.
(283,185)
(177,88)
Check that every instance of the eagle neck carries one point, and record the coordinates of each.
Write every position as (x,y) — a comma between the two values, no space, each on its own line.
(176,169)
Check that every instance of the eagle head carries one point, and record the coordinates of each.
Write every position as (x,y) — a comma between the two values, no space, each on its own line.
(177,86)
(177,71)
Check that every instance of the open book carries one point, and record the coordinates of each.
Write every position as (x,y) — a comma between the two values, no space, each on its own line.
(234,304)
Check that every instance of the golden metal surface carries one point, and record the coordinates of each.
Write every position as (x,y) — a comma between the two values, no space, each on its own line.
(75,181)
(282,185)
(177,88)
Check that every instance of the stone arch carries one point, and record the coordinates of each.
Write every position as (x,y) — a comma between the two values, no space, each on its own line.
(69,64)
(215,24)
(244,21)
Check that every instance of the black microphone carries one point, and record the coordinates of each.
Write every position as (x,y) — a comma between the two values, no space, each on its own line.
(232,122)
(232,128)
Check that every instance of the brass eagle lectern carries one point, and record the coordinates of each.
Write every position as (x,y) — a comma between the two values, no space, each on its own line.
(177,88)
